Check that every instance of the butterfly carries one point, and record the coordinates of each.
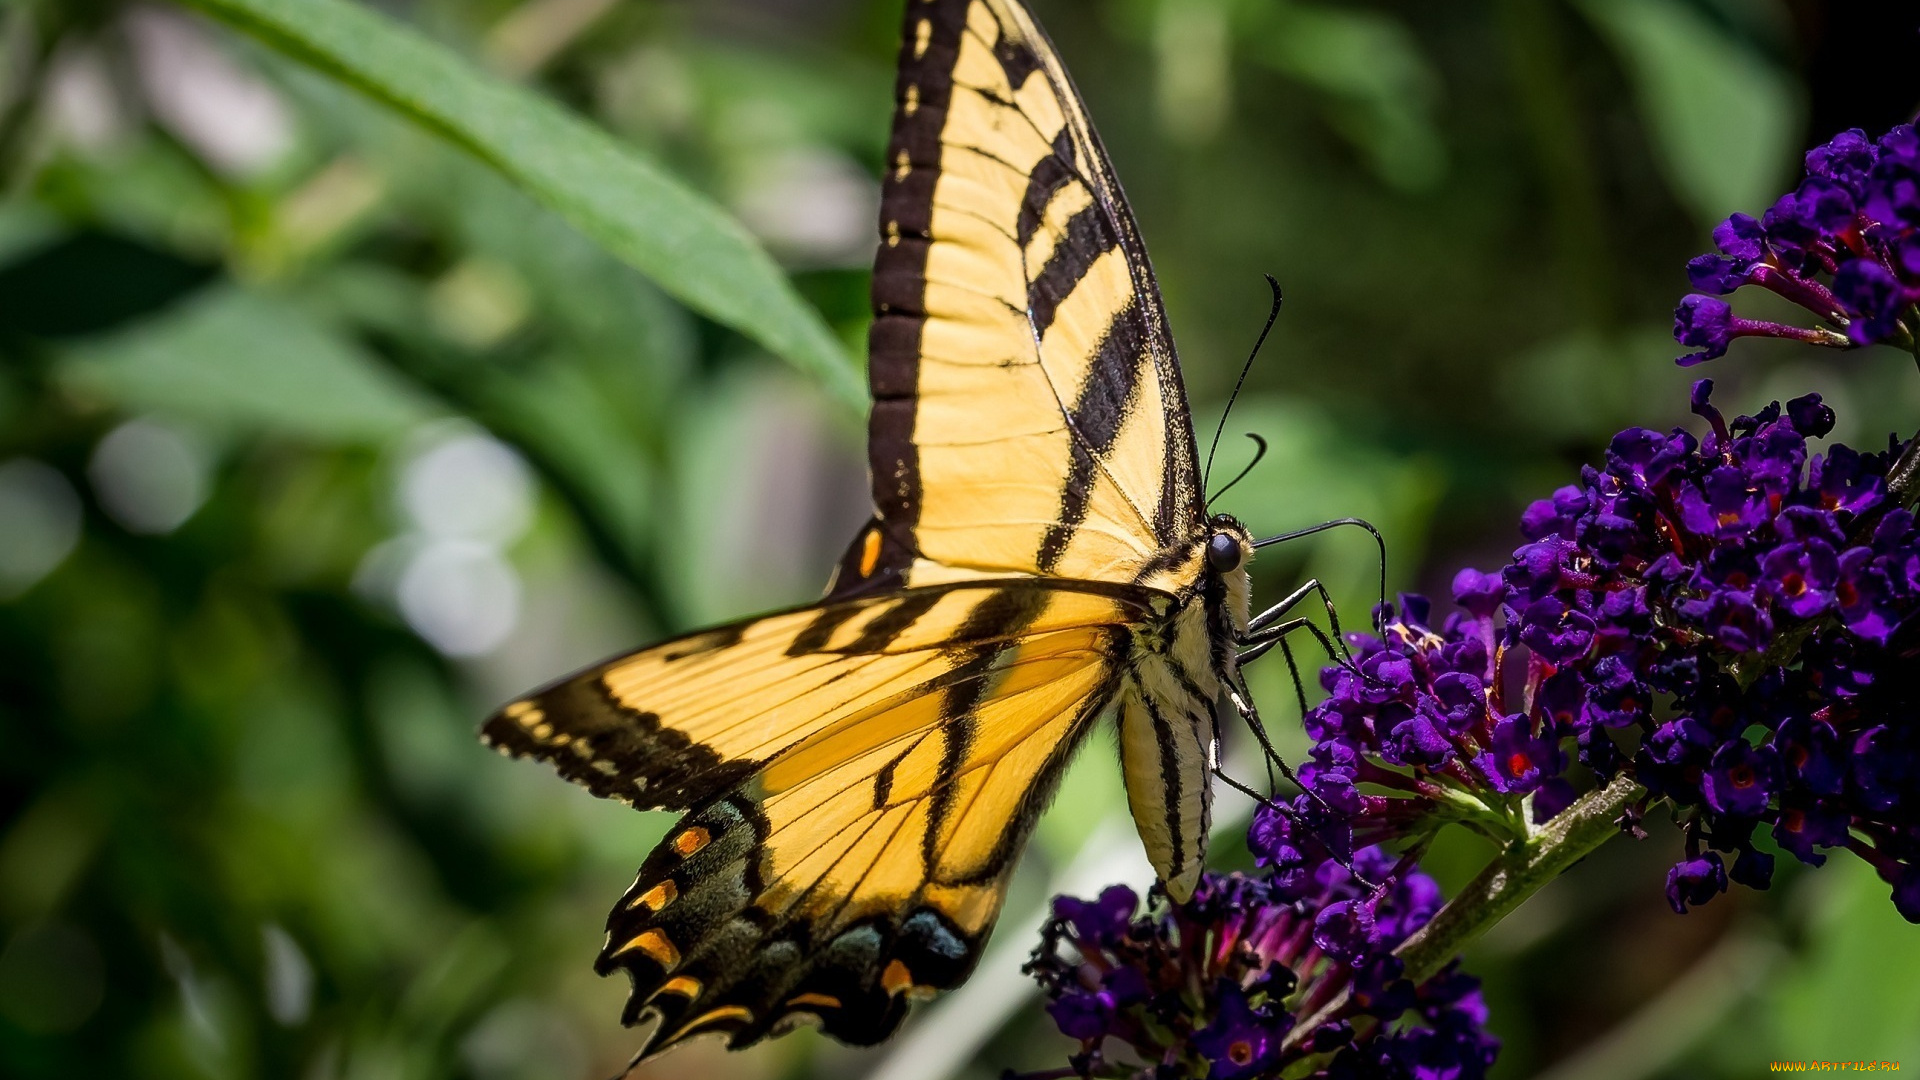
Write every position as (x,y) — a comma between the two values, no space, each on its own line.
(858,776)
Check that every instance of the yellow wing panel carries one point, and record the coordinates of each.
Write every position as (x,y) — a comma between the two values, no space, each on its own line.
(1028,413)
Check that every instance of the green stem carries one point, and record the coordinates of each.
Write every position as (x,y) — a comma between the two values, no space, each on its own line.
(1903,480)
(1520,871)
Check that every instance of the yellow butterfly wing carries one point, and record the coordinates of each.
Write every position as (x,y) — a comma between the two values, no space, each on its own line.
(861,776)
(1028,412)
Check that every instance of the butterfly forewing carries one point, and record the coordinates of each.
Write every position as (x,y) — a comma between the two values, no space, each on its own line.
(1028,413)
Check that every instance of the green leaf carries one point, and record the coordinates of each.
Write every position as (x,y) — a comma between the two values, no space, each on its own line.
(608,191)
(1852,995)
(1724,121)
(1380,86)
(233,359)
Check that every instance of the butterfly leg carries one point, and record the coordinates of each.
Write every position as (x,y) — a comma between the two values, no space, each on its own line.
(1379,541)
(1243,704)
(1261,625)
(1242,700)
(1254,645)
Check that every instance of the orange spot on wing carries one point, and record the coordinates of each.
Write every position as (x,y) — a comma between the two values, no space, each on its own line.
(655,945)
(685,986)
(691,841)
(896,979)
(713,1016)
(657,897)
(815,1001)
(870,549)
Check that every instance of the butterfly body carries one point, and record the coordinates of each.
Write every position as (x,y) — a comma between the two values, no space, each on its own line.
(859,776)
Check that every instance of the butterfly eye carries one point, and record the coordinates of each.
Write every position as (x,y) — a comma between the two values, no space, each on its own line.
(1223,553)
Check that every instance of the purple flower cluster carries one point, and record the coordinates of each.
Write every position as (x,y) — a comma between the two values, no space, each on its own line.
(1843,245)
(1726,618)
(1214,987)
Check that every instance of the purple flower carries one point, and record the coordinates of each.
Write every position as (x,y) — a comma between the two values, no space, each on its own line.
(1241,1041)
(1695,880)
(1344,930)
(1892,192)
(1842,245)
(1886,767)
(1727,503)
(1082,1016)
(1705,323)
(1462,701)
(1550,798)
(1799,830)
(1418,741)
(1741,779)
(1099,920)
(1841,482)
(1866,597)
(1752,868)
(1646,457)
(1717,274)
(1870,289)
(1817,211)
(1741,237)
(1555,631)
(1481,594)
(1639,622)
(1811,418)
(1517,760)
(1800,577)
(1208,982)
(1846,159)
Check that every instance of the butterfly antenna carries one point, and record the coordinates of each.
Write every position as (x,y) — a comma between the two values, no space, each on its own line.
(1272,314)
(1257,455)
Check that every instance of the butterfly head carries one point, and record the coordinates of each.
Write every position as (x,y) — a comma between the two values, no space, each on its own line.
(1229,547)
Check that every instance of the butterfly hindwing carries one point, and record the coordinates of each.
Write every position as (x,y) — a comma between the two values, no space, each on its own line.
(860,778)
(1028,412)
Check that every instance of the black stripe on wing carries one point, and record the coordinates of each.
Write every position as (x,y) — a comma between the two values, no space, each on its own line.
(1181,510)
(1106,399)
(928,49)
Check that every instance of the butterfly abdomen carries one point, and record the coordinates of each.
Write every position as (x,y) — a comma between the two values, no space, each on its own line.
(1168,743)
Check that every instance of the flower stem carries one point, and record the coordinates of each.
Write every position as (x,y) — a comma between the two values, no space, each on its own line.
(1903,480)
(1520,871)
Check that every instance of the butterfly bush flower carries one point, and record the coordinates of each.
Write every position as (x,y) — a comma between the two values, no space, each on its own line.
(1844,245)
(1727,618)
(1215,987)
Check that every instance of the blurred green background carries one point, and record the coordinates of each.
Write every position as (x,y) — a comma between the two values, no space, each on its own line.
(319,438)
